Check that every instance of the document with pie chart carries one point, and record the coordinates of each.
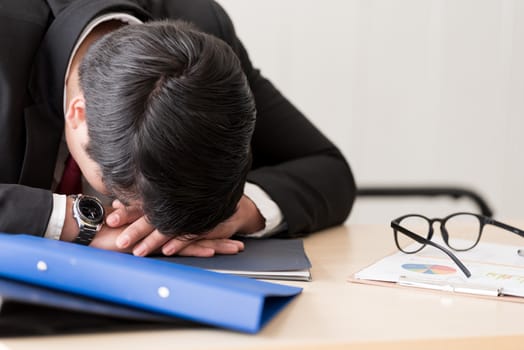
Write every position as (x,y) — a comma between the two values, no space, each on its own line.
(494,267)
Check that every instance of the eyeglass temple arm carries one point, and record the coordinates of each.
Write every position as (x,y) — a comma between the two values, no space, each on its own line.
(429,191)
(423,240)
(505,226)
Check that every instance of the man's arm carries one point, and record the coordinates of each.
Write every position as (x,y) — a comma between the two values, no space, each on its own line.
(293,162)
(24,209)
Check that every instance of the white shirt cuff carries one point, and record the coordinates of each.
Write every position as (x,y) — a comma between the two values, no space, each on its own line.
(57,219)
(268,209)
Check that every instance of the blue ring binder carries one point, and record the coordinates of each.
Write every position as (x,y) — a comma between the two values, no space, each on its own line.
(195,294)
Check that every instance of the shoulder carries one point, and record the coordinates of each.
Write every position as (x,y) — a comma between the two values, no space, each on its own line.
(207,15)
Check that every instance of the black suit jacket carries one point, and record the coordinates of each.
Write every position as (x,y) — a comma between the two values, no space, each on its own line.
(302,171)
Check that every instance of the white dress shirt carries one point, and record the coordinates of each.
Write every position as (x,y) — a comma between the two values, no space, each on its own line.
(267,207)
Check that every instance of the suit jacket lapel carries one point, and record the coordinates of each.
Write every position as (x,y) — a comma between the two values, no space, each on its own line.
(61,38)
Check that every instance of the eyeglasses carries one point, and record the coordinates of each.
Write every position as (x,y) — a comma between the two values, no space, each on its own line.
(460,232)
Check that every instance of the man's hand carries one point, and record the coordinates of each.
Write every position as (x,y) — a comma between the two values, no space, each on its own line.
(143,239)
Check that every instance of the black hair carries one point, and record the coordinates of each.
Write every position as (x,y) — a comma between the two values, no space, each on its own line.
(170,117)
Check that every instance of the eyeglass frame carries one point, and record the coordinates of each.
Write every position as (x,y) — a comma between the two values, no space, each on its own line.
(483,220)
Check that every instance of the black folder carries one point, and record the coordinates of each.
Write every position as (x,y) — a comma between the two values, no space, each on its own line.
(268,258)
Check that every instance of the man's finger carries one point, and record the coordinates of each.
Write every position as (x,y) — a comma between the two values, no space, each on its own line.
(197,251)
(134,233)
(150,243)
(177,244)
(222,246)
(207,248)
(123,215)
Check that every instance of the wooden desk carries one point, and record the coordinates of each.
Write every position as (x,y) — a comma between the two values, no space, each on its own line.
(334,314)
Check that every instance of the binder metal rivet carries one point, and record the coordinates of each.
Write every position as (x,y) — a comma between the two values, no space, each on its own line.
(41,266)
(163,292)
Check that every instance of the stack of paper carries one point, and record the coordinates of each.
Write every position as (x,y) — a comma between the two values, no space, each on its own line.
(278,259)
(495,270)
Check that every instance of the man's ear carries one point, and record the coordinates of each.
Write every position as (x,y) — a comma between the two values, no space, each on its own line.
(75,114)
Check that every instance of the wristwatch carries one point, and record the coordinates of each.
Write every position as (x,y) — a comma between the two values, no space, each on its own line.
(89,214)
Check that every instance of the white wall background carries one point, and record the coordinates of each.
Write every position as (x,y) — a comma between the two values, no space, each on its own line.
(412,91)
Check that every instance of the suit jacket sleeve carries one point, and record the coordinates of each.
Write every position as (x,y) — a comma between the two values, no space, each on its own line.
(301,170)
(24,209)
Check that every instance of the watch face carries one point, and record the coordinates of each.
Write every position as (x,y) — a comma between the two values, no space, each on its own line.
(91,209)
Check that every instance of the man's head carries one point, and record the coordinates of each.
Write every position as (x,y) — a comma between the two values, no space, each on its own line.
(169,121)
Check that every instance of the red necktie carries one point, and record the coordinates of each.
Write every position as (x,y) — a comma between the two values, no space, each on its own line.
(71,182)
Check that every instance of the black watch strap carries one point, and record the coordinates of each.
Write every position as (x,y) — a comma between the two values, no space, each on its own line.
(85,236)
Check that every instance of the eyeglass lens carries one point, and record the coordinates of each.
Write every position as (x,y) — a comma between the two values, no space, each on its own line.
(416,224)
(462,231)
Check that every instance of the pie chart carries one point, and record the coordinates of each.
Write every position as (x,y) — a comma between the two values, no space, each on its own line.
(429,269)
